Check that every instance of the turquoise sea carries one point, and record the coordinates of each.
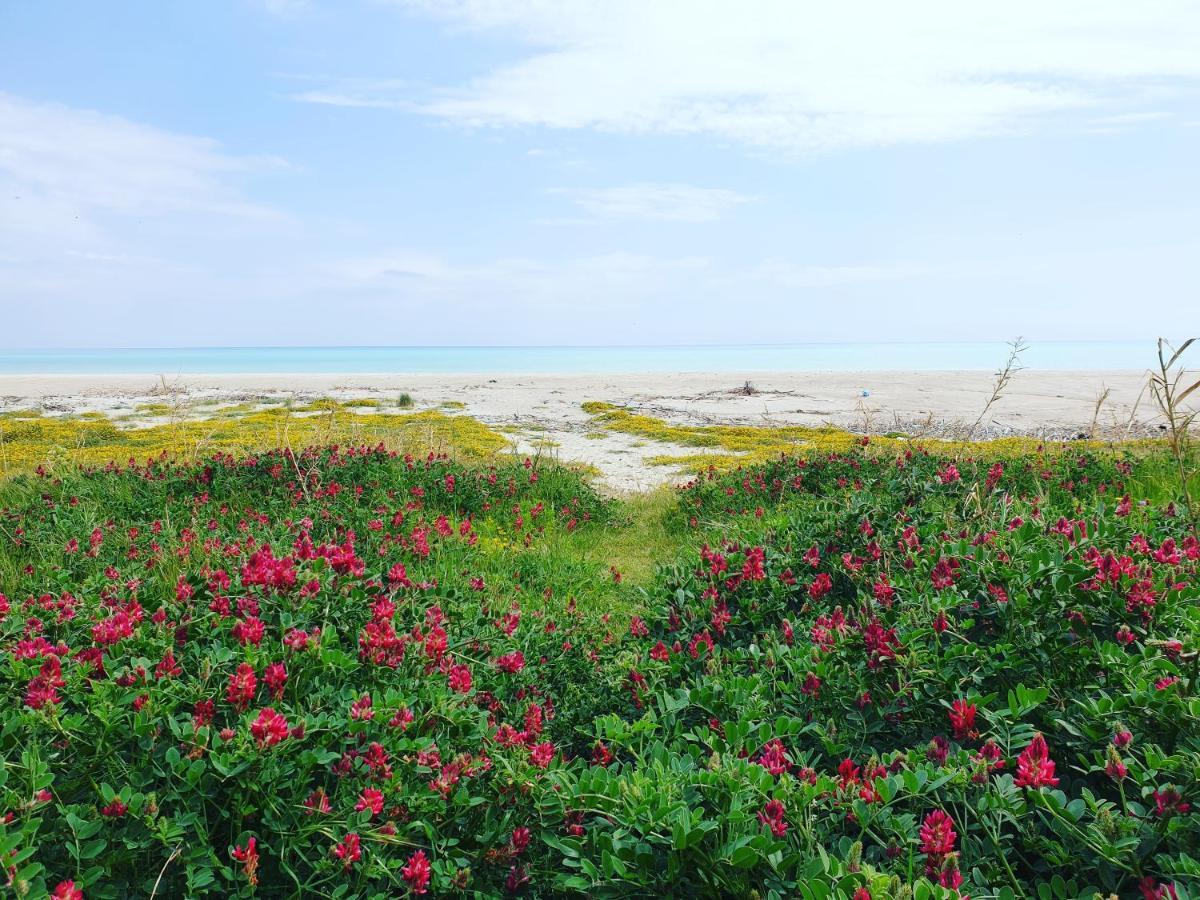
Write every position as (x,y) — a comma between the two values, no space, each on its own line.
(982,355)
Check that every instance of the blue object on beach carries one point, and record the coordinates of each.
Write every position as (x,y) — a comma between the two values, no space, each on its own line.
(866,393)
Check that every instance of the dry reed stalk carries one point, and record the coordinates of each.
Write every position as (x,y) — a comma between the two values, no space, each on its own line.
(1170,395)
(1011,367)
(1100,401)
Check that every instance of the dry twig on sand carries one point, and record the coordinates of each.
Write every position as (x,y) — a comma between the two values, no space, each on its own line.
(1011,367)
(1101,399)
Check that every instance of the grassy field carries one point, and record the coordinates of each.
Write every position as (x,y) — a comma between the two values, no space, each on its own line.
(337,653)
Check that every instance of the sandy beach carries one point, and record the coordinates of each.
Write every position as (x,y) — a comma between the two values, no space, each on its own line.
(540,411)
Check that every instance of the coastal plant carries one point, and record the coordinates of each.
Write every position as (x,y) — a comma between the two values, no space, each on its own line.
(1012,365)
(1101,399)
(877,671)
(1170,394)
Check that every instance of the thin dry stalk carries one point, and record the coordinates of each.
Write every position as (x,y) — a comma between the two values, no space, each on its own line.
(1100,401)
(925,426)
(162,871)
(1129,425)
(1169,394)
(1011,367)
(291,455)
(868,417)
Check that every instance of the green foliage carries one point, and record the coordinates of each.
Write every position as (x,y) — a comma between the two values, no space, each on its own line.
(772,683)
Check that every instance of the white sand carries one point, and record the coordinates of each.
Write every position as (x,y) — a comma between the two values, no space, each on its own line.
(1059,403)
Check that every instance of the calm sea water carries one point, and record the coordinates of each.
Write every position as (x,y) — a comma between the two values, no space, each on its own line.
(569,360)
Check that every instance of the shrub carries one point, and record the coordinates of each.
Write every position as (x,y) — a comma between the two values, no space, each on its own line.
(353,673)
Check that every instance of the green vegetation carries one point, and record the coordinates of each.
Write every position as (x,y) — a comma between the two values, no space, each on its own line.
(31,439)
(257,664)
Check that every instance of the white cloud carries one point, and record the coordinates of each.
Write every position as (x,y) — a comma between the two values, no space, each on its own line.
(78,160)
(660,202)
(101,212)
(380,93)
(812,76)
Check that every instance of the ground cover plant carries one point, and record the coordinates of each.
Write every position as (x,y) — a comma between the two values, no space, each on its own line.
(30,438)
(871,671)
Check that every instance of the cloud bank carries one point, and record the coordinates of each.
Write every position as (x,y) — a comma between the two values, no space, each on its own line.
(804,77)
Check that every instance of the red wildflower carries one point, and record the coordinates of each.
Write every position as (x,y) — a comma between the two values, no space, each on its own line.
(1035,769)
(991,756)
(937,834)
(249,631)
(1115,768)
(752,568)
(402,718)
(66,890)
(242,684)
(938,749)
(511,662)
(349,850)
(516,878)
(248,857)
(417,872)
(377,761)
(317,801)
(519,840)
(821,585)
(573,823)
(269,728)
(703,639)
(937,841)
(772,815)
(370,799)
(460,679)
(601,755)
(949,474)
(944,573)
(541,754)
(361,710)
(962,719)
(167,667)
(811,686)
(1152,890)
(114,810)
(43,687)
(774,758)
(1169,802)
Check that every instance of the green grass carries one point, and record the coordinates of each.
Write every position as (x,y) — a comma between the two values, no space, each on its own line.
(645,533)
(1157,478)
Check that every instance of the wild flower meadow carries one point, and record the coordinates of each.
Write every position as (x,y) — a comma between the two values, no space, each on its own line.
(876,672)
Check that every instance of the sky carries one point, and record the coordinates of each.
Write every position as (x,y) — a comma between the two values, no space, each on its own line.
(523,172)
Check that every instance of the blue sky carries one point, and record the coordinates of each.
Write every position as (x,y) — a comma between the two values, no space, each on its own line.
(629,171)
